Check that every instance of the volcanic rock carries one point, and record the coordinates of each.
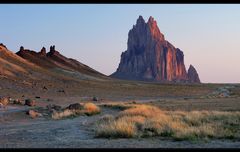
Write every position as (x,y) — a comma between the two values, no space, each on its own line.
(149,56)
(75,106)
(55,60)
(43,52)
(30,102)
(17,101)
(193,75)
(62,90)
(52,107)
(21,48)
(95,99)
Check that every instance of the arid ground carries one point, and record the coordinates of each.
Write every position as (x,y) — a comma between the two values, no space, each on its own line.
(19,130)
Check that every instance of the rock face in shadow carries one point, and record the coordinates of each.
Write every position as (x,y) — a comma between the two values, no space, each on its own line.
(193,75)
(150,57)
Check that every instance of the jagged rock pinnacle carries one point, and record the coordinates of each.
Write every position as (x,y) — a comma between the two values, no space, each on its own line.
(21,48)
(193,75)
(43,51)
(149,56)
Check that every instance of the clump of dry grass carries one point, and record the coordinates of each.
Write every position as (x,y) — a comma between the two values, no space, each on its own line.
(88,109)
(91,109)
(142,110)
(116,128)
(63,114)
(146,120)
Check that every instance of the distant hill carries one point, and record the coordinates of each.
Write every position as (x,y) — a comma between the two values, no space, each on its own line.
(28,64)
(53,59)
(12,65)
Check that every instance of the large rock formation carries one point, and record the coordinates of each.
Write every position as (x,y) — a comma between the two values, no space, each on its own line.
(193,75)
(150,57)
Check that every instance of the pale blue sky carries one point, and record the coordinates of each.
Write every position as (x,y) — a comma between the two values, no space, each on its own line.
(96,34)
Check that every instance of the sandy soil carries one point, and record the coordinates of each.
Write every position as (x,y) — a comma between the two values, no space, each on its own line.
(18,130)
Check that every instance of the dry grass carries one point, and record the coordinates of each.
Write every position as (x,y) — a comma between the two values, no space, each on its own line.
(147,121)
(116,128)
(91,109)
(63,114)
(141,110)
(88,109)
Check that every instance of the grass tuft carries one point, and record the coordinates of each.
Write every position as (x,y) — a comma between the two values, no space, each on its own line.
(91,109)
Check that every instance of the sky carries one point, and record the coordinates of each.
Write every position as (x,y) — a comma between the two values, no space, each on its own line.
(96,34)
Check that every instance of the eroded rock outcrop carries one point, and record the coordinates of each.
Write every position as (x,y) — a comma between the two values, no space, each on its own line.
(149,56)
(43,52)
(54,59)
(193,75)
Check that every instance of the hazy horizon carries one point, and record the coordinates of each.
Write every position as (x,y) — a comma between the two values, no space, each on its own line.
(96,34)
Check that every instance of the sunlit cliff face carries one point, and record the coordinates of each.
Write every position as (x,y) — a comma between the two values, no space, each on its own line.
(150,56)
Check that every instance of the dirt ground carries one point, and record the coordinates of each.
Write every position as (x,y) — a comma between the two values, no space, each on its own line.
(18,130)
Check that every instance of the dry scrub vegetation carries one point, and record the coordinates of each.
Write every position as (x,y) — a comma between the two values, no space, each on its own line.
(148,121)
(119,105)
(87,109)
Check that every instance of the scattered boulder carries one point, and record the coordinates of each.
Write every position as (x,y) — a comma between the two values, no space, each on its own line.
(75,106)
(52,107)
(223,95)
(30,102)
(10,99)
(63,91)
(34,114)
(95,99)
(45,88)
(17,101)
(49,100)
(134,102)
